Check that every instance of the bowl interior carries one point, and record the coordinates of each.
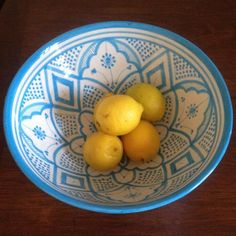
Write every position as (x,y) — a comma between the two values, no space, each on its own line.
(53,104)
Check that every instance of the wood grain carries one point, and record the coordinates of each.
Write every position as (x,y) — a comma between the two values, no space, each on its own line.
(26,210)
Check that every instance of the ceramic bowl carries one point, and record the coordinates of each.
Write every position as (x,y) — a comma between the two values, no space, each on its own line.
(49,107)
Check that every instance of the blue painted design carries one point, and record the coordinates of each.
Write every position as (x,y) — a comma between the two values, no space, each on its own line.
(67,60)
(174,144)
(91,96)
(64,96)
(73,181)
(126,49)
(66,123)
(181,163)
(183,69)
(145,48)
(156,69)
(86,68)
(42,166)
(39,132)
(192,111)
(34,91)
(108,61)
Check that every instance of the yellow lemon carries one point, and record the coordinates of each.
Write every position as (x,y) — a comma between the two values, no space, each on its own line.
(151,98)
(117,114)
(102,151)
(142,143)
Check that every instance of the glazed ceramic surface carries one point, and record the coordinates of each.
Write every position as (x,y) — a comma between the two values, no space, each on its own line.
(48,115)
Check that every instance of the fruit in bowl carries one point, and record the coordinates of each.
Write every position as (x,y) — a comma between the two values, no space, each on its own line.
(103,151)
(117,114)
(142,143)
(151,99)
(48,115)
(121,115)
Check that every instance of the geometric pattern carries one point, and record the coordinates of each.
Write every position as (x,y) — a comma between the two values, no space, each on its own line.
(54,105)
(182,163)
(63,90)
(145,49)
(183,69)
(67,61)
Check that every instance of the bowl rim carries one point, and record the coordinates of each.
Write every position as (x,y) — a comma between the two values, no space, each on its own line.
(228,125)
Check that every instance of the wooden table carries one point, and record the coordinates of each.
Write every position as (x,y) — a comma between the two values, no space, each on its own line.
(26,210)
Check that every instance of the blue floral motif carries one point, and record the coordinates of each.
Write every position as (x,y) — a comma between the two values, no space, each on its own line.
(108,60)
(39,132)
(192,111)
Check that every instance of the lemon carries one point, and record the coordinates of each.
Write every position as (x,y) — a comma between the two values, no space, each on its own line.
(117,114)
(142,143)
(102,151)
(151,98)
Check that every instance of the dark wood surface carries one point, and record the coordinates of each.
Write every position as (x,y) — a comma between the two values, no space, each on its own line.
(26,210)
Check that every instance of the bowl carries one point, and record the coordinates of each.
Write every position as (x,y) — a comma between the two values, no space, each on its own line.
(49,105)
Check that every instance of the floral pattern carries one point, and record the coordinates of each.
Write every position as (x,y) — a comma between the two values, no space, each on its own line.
(43,135)
(108,60)
(192,111)
(57,125)
(192,107)
(39,133)
(107,68)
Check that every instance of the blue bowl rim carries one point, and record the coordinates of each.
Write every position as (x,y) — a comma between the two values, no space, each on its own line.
(131,208)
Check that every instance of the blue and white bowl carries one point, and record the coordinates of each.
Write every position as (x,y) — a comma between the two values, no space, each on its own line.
(48,115)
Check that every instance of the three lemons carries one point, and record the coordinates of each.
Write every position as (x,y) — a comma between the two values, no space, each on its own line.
(120,115)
